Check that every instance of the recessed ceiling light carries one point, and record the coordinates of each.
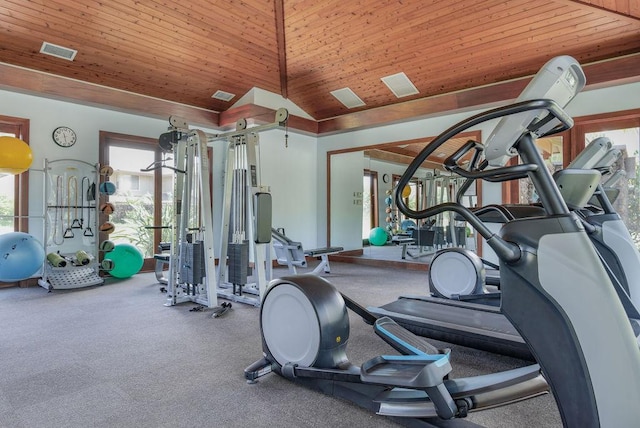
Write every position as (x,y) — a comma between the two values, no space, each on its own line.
(222,95)
(58,51)
(400,85)
(347,97)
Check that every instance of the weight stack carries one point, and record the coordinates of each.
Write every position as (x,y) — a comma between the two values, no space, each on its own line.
(239,263)
(192,270)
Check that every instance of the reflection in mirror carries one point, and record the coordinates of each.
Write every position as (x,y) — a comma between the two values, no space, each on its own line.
(346,192)
(551,150)
(363,217)
(621,183)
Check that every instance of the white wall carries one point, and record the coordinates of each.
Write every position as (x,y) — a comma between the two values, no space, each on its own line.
(422,128)
(346,200)
(624,97)
(297,174)
(46,114)
(289,171)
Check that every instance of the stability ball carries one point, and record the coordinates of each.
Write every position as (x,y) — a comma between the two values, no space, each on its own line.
(21,256)
(127,260)
(377,236)
(408,224)
(15,155)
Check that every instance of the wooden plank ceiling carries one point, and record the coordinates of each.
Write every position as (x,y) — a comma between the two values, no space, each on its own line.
(303,49)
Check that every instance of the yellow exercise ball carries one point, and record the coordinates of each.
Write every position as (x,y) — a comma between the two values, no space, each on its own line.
(15,155)
(406,191)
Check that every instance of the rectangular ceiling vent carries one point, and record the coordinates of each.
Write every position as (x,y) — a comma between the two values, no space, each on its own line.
(400,85)
(222,95)
(58,51)
(347,97)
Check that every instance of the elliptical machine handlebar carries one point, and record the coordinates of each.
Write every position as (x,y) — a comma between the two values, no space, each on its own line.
(506,251)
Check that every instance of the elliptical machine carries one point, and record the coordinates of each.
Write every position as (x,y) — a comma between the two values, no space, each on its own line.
(459,274)
(545,262)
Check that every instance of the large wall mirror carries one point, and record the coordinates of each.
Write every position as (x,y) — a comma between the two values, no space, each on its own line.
(361,182)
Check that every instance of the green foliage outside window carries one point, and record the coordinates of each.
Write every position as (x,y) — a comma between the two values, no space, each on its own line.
(131,218)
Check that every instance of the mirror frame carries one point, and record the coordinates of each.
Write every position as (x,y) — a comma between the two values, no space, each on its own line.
(473,135)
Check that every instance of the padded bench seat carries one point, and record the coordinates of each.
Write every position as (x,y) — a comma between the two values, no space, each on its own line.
(290,253)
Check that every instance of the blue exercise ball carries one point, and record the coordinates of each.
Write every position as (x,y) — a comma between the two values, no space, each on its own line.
(21,256)
(378,236)
(127,260)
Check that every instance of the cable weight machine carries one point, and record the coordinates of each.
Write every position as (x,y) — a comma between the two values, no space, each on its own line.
(191,257)
(246,216)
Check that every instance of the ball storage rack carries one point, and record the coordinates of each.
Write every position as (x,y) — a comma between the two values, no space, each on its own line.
(71,223)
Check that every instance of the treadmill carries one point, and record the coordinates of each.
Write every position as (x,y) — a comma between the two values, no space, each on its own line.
(476,321)
(468,324)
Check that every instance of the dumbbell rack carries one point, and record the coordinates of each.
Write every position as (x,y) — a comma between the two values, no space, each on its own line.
(70,223)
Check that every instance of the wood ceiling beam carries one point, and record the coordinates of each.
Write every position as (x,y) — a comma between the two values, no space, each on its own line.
(599,75)
(387,156)
(625,13)
(259,115)
(47,85)
(282,47)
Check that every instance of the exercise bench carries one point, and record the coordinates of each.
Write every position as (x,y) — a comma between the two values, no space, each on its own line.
(402,241)
(290,253)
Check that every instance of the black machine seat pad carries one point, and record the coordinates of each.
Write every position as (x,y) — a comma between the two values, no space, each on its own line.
(320,251)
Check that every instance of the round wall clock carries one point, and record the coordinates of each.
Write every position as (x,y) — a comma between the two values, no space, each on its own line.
(64,136)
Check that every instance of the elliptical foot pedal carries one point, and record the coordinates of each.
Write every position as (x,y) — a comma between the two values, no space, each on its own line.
(420,372)
(402,340)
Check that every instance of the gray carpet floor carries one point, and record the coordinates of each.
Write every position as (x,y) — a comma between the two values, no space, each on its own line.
(115,356)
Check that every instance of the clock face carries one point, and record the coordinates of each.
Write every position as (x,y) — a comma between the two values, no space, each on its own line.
(64,136)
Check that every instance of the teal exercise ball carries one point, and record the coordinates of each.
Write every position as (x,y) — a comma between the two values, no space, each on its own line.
(21,256)
(127,260)
(377,236)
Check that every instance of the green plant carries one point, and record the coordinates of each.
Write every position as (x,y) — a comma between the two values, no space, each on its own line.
(6,212)
(633,206)
(133,216)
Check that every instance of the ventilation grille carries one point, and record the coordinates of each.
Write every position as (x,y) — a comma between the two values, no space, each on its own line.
(400,85)
(347,97)
(222,95)
(58,51)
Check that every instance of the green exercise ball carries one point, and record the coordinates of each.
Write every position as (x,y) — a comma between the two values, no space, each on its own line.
(377,236)
(127,260)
